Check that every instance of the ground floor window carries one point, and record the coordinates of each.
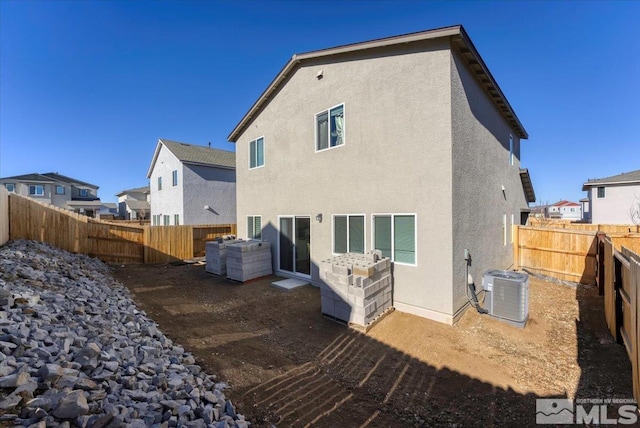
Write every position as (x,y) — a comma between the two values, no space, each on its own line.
(166,220)
(254,227)
(176,219)
(348,234)
(395,236)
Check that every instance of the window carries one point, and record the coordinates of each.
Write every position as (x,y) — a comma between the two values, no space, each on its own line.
(254,227)
(504,229)
(512,225)
(176,219)
(174,176)
(510,149)
(166,220)
(84,193)
(11,187)
(159,183)
(395,236)
(601,192)
(59,190)
(36,190)
(348,234)
(330,128)
(256,153)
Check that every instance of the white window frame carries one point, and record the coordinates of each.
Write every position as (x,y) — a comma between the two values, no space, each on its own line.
(264,154)
(13,187)
(251,233)
(333,232)
(393,232)
(512,226)
(59,187)
(504,229)
(166,220)
(174,177)
(35,190)
(176,219)
(84,193)
(315,128)
(604,192)
(159,182)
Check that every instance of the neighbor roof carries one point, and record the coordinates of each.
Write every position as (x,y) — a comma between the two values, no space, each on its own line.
(459,39)
(138,205)
(195,155)
(632,177)
(30,177)
(144,189)
(59,177)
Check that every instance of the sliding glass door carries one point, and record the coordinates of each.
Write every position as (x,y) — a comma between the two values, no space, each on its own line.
(295,245)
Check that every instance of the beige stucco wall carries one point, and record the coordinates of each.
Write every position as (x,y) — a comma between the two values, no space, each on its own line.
(481,167)
(614,207)
(396,159)
(167,201)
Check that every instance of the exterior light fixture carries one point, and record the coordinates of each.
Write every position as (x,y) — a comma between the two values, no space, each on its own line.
(319,218)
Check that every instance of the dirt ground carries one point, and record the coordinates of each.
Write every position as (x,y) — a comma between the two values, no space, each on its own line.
(287,365)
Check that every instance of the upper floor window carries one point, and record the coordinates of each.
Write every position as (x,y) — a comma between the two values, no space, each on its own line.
(254,227)
(348,234)
(601,192)
(256,153)
(395,236)
(510,149)
(84,193)
(11,187)
(174,176)
(59,190)
(330,128)
(36,189)
(159,183)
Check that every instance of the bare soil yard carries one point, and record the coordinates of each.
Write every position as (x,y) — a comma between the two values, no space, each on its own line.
(289,366)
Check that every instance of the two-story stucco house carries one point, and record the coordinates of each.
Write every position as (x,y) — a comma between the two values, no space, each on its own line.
(133,204)
(191,184)
(58,190)
(404,144)
(615,199)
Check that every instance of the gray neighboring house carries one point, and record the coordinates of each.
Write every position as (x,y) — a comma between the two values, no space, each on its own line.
(133,204)
(58,190)
(405,144)
(612,199)
(192,184)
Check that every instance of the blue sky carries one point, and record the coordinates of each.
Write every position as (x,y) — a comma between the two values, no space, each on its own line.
(87,88)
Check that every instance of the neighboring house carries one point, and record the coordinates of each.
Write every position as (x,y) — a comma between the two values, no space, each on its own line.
(586,211)
(133,204)
(108,211)
(404,144)
(192,184)
(56,189)
(565,210)
(540,211)
(612,200)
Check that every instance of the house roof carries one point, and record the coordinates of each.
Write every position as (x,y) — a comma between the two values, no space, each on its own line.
(459,40)
(59,177)
(632,177)
(584,200)
(110,205)
(195,155)
(35,177)
(138,205)
(143,189)
(527,185)
(564,203)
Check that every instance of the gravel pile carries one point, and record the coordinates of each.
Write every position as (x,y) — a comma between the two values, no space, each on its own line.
(76,351)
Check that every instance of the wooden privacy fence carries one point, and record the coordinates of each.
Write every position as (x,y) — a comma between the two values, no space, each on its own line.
(4,215)
(567,224)
(619,272)
(110,242)
(569,255)
(566,254)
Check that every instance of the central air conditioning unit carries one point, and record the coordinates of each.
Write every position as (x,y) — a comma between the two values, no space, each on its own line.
(507,296)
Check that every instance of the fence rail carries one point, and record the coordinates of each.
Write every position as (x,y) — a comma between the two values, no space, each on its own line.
(108,241)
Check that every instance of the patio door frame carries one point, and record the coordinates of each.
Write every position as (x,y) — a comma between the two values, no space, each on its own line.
(294,252)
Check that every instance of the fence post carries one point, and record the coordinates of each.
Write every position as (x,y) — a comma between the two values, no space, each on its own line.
(600,262)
